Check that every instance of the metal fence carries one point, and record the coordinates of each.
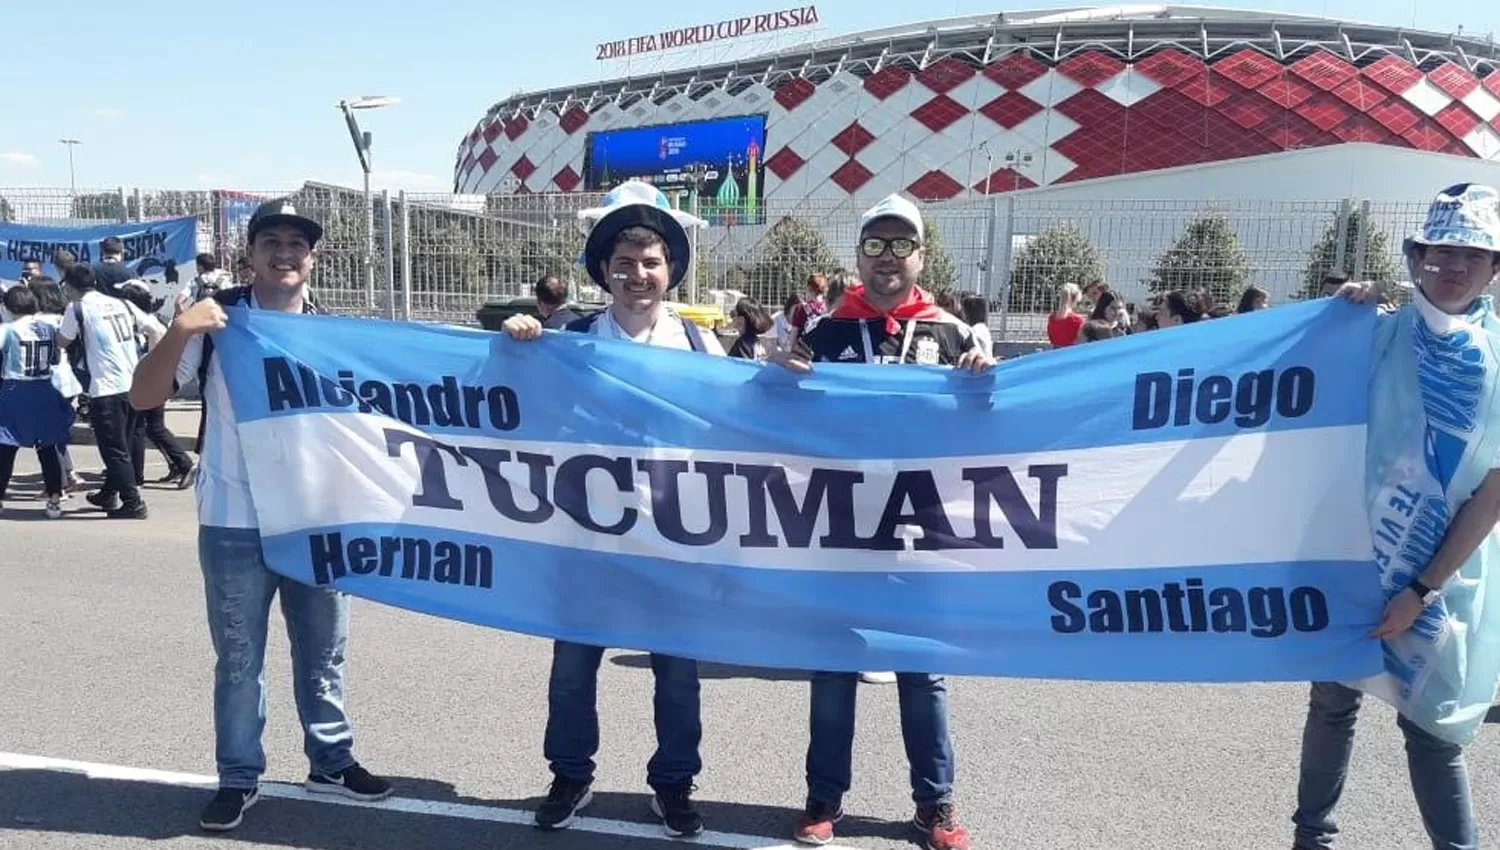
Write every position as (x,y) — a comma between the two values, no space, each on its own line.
(439,257)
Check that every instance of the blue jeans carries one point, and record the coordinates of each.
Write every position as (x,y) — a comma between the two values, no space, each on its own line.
(924,728)
(572,736)
(238,588)
(1439,780)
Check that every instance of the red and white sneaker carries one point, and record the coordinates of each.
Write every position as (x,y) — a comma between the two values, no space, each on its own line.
(815,827)
(940,828)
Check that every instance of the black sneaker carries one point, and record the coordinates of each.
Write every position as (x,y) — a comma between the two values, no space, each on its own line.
(565,799)
(678,815)
(225,811)
(136,511)
(103,501)
(353,782)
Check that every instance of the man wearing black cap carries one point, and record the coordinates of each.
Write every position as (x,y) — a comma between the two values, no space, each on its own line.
(237,583)
(638,250)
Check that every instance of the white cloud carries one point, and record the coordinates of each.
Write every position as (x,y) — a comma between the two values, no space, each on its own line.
(111,113)
(18,158)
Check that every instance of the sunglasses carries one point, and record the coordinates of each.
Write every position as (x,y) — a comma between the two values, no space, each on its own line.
(874,246)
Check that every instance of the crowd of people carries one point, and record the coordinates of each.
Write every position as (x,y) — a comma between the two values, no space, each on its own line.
(638,251)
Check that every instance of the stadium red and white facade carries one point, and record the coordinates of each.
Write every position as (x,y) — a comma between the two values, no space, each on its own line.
(934,109)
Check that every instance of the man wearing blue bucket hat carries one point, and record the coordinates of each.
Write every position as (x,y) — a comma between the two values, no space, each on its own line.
(1433,489)
(638,250)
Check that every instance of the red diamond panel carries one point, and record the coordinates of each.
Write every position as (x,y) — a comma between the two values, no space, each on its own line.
(493,130)
(938,113)
(1010,109)
(1363,128)
(1151,145)
(1091,68)
(1454,80)
(1247,109)
(515,127)
(1223,139)
(946,74)
(573,119)
(1168,108)
(523,167)
(887,81)
(794,92)
(1492,83)
(1092,110)
(1394,74)
(1287,90)
(1457,119)
(522,190)
(567,179)
(1427,136)
(934,186)
(1360,94)
(850,176)
(1250,68)
(1004,180)
(487,159)
(784,163)
(1015,70)
(1172,67)
(1396,115)
(1324,70)
(1291,132)
(1210,89)
(853,139)
(1324,111)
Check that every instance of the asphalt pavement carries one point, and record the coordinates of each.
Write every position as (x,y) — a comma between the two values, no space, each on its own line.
(106,736)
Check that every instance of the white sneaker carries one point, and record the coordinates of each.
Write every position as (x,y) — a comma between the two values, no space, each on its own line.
(54,509)
(878,678)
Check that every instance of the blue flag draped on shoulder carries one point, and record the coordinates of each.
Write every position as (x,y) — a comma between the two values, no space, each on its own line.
(1177,506)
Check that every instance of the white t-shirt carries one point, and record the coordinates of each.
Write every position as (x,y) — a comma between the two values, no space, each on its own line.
(223,490)
(110,328)
(668,332)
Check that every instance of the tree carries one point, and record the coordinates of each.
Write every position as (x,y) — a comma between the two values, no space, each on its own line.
(104,206)
(937,270)
(1059,254)
(792,250)
(7,212)
(1380,265)
(1207,256)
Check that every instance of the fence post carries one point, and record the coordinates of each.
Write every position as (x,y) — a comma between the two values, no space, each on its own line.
(389,253)
(1341,247)
(405,258)
(1002,237)
(1363,236)
(140,209)
(124,205)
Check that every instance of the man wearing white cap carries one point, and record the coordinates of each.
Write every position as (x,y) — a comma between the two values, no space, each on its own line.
(1433,476)
(637,250)
(888,319)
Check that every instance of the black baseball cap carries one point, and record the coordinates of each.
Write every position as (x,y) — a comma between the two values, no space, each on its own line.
(282,211)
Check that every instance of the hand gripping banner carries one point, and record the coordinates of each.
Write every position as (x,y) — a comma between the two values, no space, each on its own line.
(1184,505)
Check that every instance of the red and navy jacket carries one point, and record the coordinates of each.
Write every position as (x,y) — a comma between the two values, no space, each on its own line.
(916,331)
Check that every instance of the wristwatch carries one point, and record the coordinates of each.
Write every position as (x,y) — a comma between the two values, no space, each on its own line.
(1427,594)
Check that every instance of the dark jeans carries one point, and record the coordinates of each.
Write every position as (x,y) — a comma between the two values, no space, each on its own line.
(572,736)
(113,421)
(1439,780)
(51,468)
(924,728)
(152,425)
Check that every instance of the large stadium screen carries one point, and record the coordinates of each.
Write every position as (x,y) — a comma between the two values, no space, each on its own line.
(731,151)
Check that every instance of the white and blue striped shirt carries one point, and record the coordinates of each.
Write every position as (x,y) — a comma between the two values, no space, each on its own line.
(223,489)
(29,348)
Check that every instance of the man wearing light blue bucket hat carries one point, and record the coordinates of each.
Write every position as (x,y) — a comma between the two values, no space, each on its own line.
(1432,484)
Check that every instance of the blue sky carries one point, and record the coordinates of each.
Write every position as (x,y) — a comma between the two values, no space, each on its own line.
(190,95)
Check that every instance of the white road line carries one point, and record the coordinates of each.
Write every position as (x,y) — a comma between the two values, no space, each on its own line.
(407,805)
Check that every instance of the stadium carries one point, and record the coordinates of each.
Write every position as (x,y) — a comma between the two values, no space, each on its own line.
(1130,117)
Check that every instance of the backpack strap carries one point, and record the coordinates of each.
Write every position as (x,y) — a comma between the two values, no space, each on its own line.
(235,296)
(693,332)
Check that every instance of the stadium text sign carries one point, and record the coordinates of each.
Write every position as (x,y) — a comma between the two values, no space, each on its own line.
(801,16)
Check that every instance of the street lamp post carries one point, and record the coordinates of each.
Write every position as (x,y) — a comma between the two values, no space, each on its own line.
(362,141)
(72,177)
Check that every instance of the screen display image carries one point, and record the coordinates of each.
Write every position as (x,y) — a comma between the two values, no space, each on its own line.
(731,152)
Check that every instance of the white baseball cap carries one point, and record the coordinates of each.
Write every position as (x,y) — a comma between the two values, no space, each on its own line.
(897,207)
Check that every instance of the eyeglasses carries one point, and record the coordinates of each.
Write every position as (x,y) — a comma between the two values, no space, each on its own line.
(874,246)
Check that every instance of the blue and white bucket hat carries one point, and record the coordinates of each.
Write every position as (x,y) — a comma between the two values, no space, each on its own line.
(1463,216)
(636,203)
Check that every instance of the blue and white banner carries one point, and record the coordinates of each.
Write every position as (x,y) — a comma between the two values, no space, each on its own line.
(1178,506)
(154,250)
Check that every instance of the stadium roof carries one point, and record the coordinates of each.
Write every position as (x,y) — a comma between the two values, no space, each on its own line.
(1130,32)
